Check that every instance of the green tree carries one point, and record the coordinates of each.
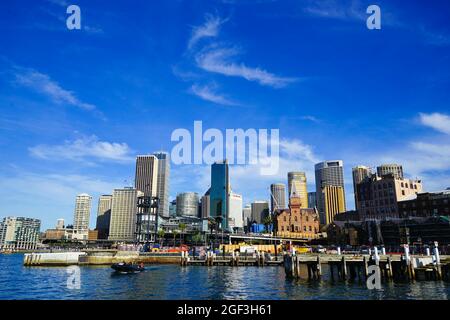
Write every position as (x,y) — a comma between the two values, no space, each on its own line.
(182,227)
(196,238)
(267,222)
(161,235)
(175,232)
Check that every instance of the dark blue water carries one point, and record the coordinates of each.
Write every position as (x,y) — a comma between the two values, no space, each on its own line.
(194,282)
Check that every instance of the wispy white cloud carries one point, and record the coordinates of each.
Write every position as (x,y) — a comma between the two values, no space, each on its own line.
(49,196)
(208,93)
(84,149)
(43,84)
(352,10)
(437,121)
(220,60)
(209,29)
(310,118)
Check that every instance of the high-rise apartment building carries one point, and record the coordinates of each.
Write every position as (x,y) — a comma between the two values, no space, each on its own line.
(19,233)
(103,216)
(123,214)
(328,173)
(162,189)
(82,214)
(359,173)
(219,191)
(392,168)
(334,202)
(299,180)
(146,179)
(277,197)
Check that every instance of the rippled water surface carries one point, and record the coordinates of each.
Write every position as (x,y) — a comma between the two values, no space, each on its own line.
(194,282)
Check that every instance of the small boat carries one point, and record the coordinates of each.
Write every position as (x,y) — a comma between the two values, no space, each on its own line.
(128,268)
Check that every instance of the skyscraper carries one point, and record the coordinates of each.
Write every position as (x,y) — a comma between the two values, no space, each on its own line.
(312,200)
(206,204)
(235,219)
(81,216)
(334,202)
(328,173)
(299,179)
(359,173)
(219,191)
(163,182)
(147,175)
(123,214)
(187,204)
(277,197)
(260,210)
(104,215)
(395,169)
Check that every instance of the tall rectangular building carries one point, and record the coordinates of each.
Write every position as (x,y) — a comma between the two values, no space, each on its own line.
(235,219)
(123,214)
(277,197)
(328,173)
(146,179)
(312,200)
(359,173)
(219,191)
(82,215)
(299,180)
(260,210)
(334,202)
(104,215)
(162,189)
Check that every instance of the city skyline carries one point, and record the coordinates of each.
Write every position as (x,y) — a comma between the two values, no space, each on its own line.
(118,88)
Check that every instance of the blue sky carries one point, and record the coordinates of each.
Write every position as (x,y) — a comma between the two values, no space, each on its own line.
(77,106)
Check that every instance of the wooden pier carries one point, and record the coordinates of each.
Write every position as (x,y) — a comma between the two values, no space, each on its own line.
(234,260)
(353,267)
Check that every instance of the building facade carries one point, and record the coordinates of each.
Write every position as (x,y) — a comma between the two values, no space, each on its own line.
(219,191)
(187,204)
(235,220)
(277,197)
(334,202)
(82,214)
(297,221)
(162,189)
(328,173)
(312,200)
(392,168)
(429,204)
(146,179)
(260,210)
(359,173)
(123,214)
(299,180)
(19,233)
(378,197)
(206,205)
(104,216)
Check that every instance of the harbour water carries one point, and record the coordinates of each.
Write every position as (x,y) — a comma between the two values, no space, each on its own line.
(193,282)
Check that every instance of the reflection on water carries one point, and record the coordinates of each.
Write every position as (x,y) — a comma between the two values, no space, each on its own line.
(194,282)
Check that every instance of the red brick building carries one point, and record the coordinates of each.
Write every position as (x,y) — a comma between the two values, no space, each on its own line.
(297,221)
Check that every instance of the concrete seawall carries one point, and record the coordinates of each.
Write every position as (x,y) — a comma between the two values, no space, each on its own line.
(104,257)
